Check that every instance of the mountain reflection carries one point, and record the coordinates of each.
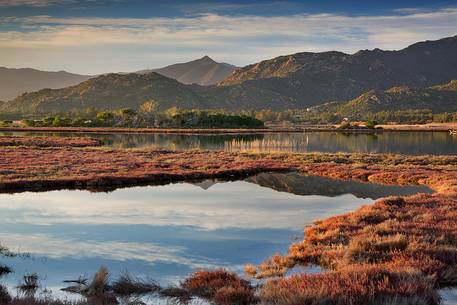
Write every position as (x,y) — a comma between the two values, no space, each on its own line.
(312,185)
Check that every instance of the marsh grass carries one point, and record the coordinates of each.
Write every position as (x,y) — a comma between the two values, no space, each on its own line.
(216,287)
(359,285)
(176,294)
(128,284)
(5,297)
(77,286)
(220,287)
(32,168)
(99,284)
(29,285)
(4,270)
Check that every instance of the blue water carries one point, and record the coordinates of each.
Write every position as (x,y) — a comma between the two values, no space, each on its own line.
(166,232)
(449,296)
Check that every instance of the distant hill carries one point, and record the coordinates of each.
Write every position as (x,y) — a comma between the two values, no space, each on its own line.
(110,91)
(203,71)
(307,79)
(114,91)
(441,98)
(14,82)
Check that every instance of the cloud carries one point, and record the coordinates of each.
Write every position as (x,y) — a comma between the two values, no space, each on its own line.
(57,248)
(151,42)
(8,3)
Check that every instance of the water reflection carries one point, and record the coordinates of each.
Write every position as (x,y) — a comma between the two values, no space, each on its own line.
(388,142)
(168,231)
(449,296)
(313,185)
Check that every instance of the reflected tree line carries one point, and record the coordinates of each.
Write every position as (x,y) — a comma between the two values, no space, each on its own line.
(387,142)
(398,142)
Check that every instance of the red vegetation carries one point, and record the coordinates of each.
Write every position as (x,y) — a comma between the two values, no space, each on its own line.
(399,234)
(32,168)
(220,287)
(410,241)
(48,141)
(356,286)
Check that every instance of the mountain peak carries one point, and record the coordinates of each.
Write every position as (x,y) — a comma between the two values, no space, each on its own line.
(203,71)
(206,58)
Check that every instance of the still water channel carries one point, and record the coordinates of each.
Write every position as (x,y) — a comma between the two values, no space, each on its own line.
(166,232)
(415,143)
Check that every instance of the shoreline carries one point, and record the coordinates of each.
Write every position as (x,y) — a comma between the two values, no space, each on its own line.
(232,131)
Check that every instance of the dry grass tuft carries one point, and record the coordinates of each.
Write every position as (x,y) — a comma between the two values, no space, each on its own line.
(127,284)
(99,284)
(220,287)
(5,297)
(30,284)
(4,270)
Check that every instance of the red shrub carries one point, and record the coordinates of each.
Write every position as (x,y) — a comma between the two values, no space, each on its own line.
(205,283)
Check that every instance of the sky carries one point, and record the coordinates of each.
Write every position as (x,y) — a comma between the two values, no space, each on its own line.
(99,36)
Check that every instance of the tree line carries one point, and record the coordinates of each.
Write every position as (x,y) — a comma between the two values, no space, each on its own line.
(148,115)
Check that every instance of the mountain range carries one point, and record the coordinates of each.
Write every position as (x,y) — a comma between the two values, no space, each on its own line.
(299,80)
(14,82)
(109,91)
(308,79)
(438,99)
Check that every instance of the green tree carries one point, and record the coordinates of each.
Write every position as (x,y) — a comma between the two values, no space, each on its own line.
(105,117)
(371,124)
(149,107)
(57,122)
(172,112)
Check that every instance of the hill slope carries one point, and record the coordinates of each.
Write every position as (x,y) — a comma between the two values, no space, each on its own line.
(308,79)
(14,82)
(441,98)
(203,71)
(110,91)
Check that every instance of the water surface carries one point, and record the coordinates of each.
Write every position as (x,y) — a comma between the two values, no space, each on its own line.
(415,143)
(449,296)
(166,232)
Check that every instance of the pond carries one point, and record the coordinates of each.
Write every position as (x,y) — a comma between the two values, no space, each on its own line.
(416,143)
(166,232)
